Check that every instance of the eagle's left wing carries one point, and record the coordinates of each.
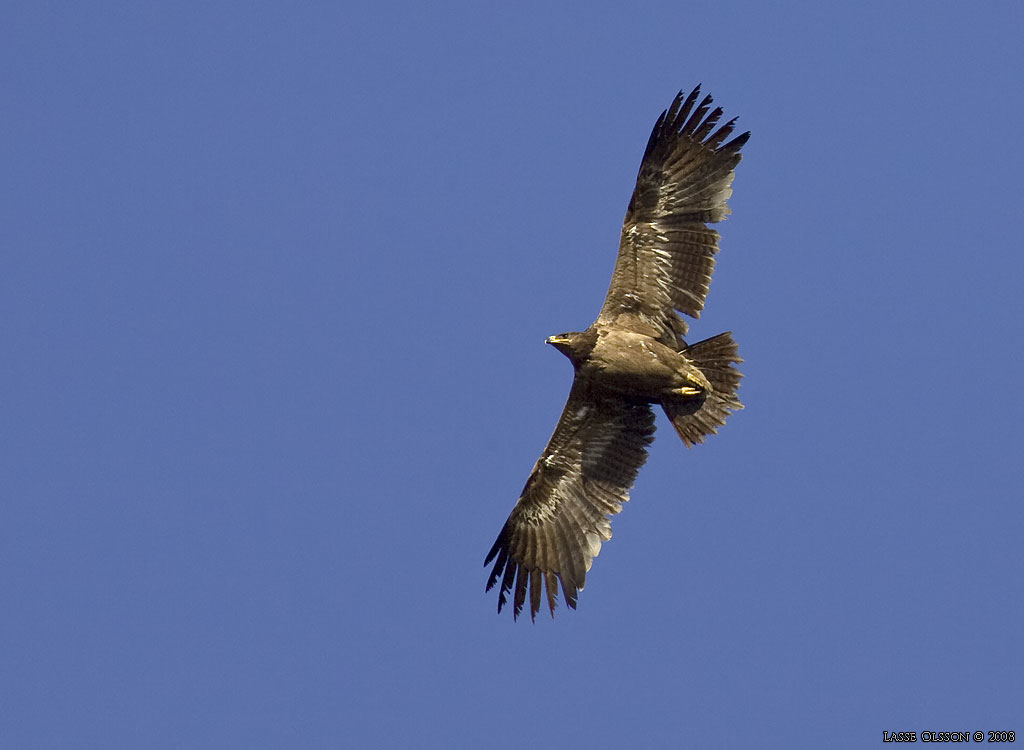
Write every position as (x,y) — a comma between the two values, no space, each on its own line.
(667,250)
(584,475)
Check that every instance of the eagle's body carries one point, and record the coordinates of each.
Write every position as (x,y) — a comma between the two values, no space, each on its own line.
(634,365)
(631,357)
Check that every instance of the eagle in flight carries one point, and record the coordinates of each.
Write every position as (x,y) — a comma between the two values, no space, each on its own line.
(631,357)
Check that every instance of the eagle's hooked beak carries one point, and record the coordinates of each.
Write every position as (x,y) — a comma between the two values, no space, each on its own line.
(553,340)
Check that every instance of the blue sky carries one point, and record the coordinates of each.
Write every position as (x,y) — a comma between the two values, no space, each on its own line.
(275,284)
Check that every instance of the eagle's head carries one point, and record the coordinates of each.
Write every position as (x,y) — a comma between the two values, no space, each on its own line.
(576,345)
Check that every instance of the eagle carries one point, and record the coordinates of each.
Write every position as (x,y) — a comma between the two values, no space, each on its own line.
(632,357)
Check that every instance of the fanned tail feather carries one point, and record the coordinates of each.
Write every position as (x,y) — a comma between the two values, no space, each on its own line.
(715,357)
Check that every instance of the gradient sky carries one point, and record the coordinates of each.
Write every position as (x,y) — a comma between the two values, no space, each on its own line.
(274,288)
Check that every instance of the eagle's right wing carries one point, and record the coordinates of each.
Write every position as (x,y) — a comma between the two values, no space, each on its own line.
(584,475)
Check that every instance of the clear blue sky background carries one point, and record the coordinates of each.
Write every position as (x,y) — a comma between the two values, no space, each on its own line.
(275,281)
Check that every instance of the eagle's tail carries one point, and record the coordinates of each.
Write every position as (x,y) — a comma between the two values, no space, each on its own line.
(715,358)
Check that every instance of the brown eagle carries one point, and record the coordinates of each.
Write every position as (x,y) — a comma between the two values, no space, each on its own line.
(631,357)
